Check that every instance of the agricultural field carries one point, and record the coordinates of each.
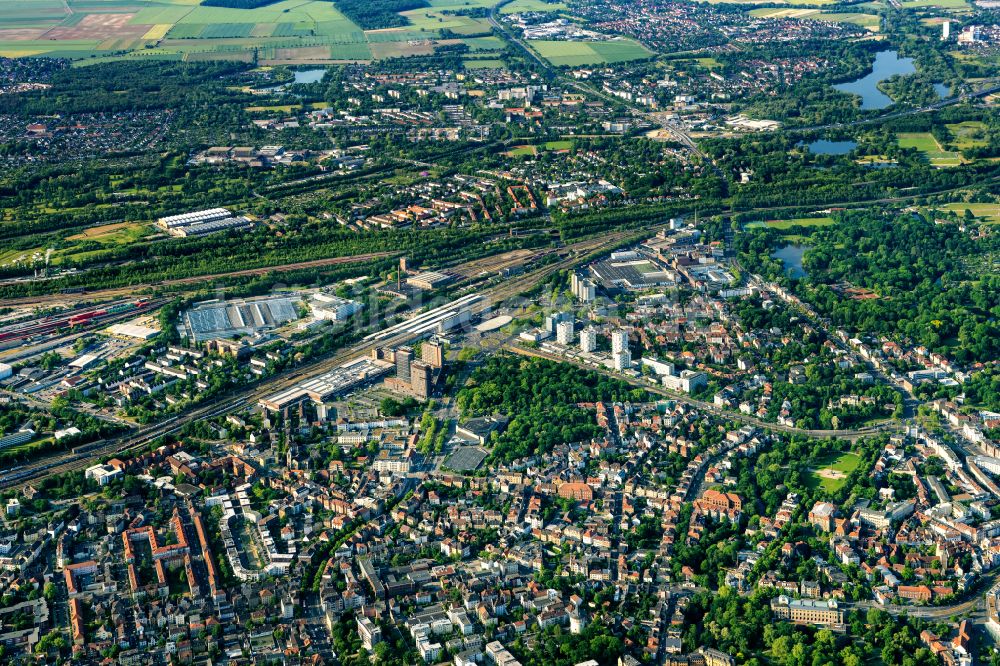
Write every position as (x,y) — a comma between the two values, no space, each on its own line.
(867,21)
(289,31)
(532,6)
(486,63)
(575,54)
(834,472)
(425,20)
(761,2)
(925,143)
(954,5)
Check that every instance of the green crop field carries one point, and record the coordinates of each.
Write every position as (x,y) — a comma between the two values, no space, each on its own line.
(870,21)
(532,6)
(577,54)
(928,145)
(98,30)
(943,4)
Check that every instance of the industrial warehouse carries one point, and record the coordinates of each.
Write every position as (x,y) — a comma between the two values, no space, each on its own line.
(210,320)
(203,222)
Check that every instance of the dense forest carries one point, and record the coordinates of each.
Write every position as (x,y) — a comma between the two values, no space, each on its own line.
(378,15)
(926,282)
(540,398)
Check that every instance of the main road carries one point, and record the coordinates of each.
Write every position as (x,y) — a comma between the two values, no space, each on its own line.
(851,434)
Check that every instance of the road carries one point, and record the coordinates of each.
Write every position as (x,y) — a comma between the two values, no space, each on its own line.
(491,296)
(849,434)
(982,92)
(676,131)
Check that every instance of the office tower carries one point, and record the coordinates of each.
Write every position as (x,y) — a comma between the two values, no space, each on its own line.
(432,353)
(404,358)
(422,379)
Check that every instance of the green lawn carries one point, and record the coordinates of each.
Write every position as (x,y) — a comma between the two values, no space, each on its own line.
(487,63)
(925,143)
(841,464)
(800,222)
(520,151)
(579,54)
(969,134)
(988,212)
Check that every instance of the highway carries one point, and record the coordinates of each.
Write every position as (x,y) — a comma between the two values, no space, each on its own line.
(982,92)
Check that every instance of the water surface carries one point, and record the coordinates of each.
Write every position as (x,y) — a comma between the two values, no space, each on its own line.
(309,75)
(792,255)
(887,64)
(826,147)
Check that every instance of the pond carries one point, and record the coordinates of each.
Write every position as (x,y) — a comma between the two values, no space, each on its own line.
(886,65)
(826,147)
(791,255)
(309,75)
(942,90)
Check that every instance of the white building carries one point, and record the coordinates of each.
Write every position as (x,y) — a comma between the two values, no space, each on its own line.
(588,339)
(5,371)
(619,341)
(564,333)
(622,360)
(333,308)
(103,474)
(688,381)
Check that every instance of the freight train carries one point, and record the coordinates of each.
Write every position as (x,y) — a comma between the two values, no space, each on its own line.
(59,322)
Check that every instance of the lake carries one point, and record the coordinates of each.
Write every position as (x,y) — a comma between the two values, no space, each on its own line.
(886,65)
(791,256)
(825,147)
(942,90)
(309,75)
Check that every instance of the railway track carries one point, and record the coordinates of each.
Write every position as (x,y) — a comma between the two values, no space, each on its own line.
(32,473)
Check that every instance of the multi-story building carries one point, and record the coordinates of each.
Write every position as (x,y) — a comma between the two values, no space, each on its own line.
(588,339)
(564,332)
(807,611)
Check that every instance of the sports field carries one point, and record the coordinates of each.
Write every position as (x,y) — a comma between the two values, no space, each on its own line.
(929,146)
(553,146)
(577,54)
(832,474)
(288,31)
